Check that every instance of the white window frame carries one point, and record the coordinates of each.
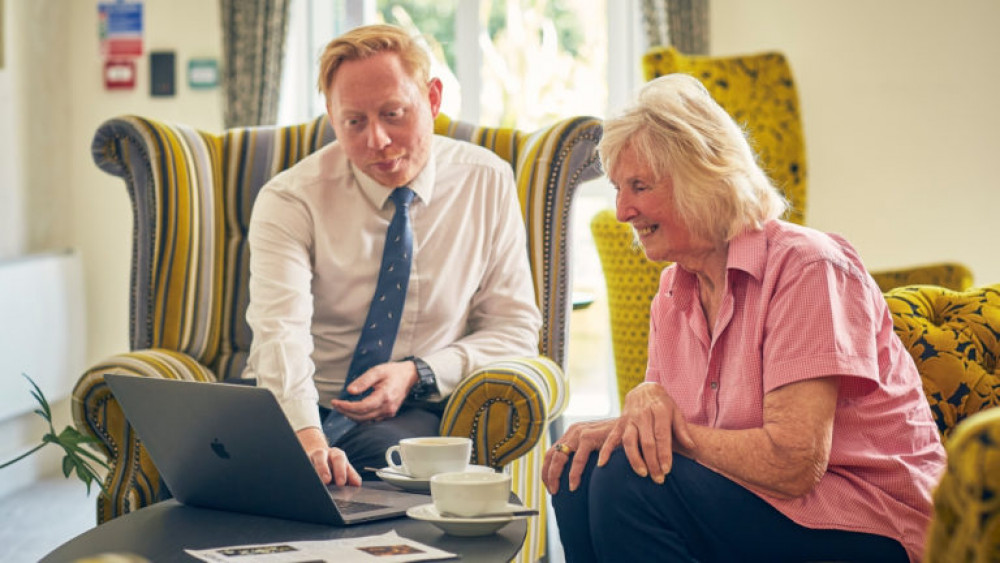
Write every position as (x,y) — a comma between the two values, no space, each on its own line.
(314,22)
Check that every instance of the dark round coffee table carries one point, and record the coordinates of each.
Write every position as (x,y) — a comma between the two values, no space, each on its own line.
(161,532)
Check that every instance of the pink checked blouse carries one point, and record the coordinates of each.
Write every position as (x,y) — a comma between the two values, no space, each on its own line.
(799,304)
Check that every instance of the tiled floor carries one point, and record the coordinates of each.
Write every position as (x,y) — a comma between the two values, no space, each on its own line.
(39,518)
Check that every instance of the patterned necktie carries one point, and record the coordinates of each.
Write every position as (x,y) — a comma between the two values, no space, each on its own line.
(382,323)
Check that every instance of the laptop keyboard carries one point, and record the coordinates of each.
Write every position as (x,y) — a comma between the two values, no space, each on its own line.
(353,506)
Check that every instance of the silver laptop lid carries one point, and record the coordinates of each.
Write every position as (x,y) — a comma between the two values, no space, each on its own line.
(230,447)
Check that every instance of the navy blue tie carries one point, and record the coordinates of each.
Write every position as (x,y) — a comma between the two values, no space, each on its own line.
(382,323)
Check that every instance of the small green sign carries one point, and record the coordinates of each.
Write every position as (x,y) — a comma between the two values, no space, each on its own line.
(203,73)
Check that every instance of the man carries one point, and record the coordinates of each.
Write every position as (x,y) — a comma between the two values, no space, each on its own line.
(321,307)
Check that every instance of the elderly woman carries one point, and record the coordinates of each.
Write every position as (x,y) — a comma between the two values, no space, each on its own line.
(781,418)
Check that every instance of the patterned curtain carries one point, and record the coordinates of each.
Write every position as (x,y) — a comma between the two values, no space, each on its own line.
(253,37)
(681,23)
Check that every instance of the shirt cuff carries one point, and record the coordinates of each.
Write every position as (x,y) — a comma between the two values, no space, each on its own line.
(301,414)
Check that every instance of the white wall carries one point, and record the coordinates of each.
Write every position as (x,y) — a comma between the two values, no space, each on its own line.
(102,217)
(899,101)
(898,98)
(57,196)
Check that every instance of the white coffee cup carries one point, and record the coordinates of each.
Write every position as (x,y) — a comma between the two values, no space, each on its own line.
(470,493)
(425,456)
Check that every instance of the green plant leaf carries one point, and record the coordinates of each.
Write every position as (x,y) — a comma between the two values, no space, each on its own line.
(36,392)
(72,437)
(67,466)
(70,440)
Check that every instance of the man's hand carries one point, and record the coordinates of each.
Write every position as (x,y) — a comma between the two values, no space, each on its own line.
(330,463)
(646,430)
(390,384)
(581,438)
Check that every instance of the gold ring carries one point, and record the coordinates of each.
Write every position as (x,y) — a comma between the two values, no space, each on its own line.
(563,448)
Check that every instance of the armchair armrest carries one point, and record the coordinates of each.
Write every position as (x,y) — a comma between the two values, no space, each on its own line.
(505,408)
(951,275)
(132,481)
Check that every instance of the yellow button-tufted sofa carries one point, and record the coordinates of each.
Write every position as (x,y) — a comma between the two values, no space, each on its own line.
(191,194)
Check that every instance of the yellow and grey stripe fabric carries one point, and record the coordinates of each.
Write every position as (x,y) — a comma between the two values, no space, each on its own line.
(503,408)
(192,193)
(177,257)
(549,165)
(252,156)
(132,480)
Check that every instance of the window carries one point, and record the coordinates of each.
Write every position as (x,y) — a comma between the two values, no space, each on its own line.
(513,63)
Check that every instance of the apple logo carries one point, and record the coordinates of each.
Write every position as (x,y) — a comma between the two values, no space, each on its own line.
(220,449)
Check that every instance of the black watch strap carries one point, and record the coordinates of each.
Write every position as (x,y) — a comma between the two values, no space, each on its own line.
(426,382)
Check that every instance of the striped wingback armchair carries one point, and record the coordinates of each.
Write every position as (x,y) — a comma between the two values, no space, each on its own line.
(191,194)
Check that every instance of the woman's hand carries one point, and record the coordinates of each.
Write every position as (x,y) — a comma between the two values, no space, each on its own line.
(581,438)
(646,430)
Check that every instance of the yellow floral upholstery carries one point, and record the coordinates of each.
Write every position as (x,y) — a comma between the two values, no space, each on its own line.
(951,275)
(954,338)
(632,281)
(759,92)
(966,523)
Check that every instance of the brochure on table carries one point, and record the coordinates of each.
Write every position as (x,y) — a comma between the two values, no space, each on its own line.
(385,548)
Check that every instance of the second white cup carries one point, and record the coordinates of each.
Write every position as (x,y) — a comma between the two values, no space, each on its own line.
(429,455)
(470,494)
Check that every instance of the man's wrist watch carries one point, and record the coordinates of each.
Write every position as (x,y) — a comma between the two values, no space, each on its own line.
(426,382)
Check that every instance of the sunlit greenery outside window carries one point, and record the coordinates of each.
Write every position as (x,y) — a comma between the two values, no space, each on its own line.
(541,60)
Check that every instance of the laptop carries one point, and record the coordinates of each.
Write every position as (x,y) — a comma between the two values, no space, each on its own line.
(229,447)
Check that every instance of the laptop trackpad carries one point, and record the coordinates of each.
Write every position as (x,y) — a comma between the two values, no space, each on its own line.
(352,500)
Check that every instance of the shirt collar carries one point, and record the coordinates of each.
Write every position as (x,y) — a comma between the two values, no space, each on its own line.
(377,194)
(747,253)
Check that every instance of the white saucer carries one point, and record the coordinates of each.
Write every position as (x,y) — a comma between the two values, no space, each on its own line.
(463,526)
(420,484)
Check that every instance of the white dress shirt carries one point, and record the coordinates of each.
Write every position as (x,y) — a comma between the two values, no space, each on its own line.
(316,237)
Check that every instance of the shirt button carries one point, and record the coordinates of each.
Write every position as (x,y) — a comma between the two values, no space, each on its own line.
(715,385)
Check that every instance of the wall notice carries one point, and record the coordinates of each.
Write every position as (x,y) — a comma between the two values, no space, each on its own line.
(120,29)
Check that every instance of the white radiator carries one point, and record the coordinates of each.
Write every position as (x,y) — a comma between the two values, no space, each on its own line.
(42,329)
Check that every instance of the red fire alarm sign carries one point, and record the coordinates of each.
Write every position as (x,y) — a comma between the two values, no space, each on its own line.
(119,74)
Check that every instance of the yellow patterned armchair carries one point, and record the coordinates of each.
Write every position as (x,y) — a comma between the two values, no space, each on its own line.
(759,91)
(191,194)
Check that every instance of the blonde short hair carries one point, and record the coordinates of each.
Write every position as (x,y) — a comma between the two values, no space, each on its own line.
(367,41)
(676,127)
